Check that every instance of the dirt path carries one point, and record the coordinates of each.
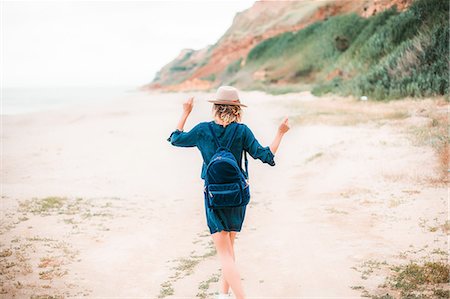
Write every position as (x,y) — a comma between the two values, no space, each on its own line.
(95,201)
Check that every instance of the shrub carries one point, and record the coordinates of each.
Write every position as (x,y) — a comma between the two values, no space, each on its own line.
(234,67)
(387,56)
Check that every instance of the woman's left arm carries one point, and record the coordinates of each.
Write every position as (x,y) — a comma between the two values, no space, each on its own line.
(283,128)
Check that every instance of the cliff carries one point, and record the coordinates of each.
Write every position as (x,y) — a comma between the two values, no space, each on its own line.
(248,54)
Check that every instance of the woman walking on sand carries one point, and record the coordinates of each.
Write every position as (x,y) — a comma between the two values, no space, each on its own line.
(224,224)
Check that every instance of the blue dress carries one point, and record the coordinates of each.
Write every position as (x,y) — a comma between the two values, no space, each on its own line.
(199,136)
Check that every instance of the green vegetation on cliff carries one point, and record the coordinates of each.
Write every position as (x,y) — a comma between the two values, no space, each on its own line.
(389,55)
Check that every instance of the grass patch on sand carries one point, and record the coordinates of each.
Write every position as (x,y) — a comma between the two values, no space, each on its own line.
(425,279)
(203,287)
(186,265)
(435,134)
(52,274)
(446,227)
(333,210)
(50,261)
(51,205)
(78,207)
(166,289)
(5,252)
(395,202)
(414,277)
(313,157)
(35,259)
(368,267)
(44,205)
(436,227)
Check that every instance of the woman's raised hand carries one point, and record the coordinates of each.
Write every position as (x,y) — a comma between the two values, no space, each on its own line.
(188,105)
(187,108)
(284,126)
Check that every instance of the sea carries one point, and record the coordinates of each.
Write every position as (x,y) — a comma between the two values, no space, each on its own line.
(20,100)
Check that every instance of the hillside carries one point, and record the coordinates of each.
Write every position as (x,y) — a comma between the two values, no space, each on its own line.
(384,49)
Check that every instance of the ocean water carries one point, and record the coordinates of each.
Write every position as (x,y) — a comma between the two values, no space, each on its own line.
(32,99)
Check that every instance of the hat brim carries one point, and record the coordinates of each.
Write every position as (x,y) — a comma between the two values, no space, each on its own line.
(224,102)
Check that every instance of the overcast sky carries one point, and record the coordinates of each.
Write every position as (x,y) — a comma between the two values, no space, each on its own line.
(102,43)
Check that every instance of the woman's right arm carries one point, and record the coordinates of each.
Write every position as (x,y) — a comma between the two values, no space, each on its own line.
(265,154)
(255,149)
(187,108)
(180,138)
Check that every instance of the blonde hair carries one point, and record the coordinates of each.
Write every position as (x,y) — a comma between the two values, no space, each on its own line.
(227,113)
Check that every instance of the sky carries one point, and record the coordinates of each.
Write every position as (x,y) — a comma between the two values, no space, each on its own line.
(104,43)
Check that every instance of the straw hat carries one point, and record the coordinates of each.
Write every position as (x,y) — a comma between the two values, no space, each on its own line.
(227,95)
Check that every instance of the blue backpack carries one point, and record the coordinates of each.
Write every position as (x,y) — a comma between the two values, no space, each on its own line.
(226,185)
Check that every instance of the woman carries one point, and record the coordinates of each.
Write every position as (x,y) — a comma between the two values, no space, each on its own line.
(224,224)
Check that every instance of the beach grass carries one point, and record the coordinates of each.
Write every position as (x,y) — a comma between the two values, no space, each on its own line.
(426,278)
(166,289)
(204,286)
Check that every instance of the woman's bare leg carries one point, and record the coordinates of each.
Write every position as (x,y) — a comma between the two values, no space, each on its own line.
(225,287)
(222,241)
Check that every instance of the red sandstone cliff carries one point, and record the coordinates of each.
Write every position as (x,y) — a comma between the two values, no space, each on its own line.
(200,69)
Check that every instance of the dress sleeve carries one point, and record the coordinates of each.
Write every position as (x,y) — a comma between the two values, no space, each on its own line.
(184,139)
(256,150)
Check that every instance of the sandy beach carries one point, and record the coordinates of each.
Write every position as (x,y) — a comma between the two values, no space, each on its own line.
(96,203)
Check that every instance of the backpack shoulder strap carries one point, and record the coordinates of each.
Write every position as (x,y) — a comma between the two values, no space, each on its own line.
(245,152)
(230,142)
(214,135)
(246,165)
